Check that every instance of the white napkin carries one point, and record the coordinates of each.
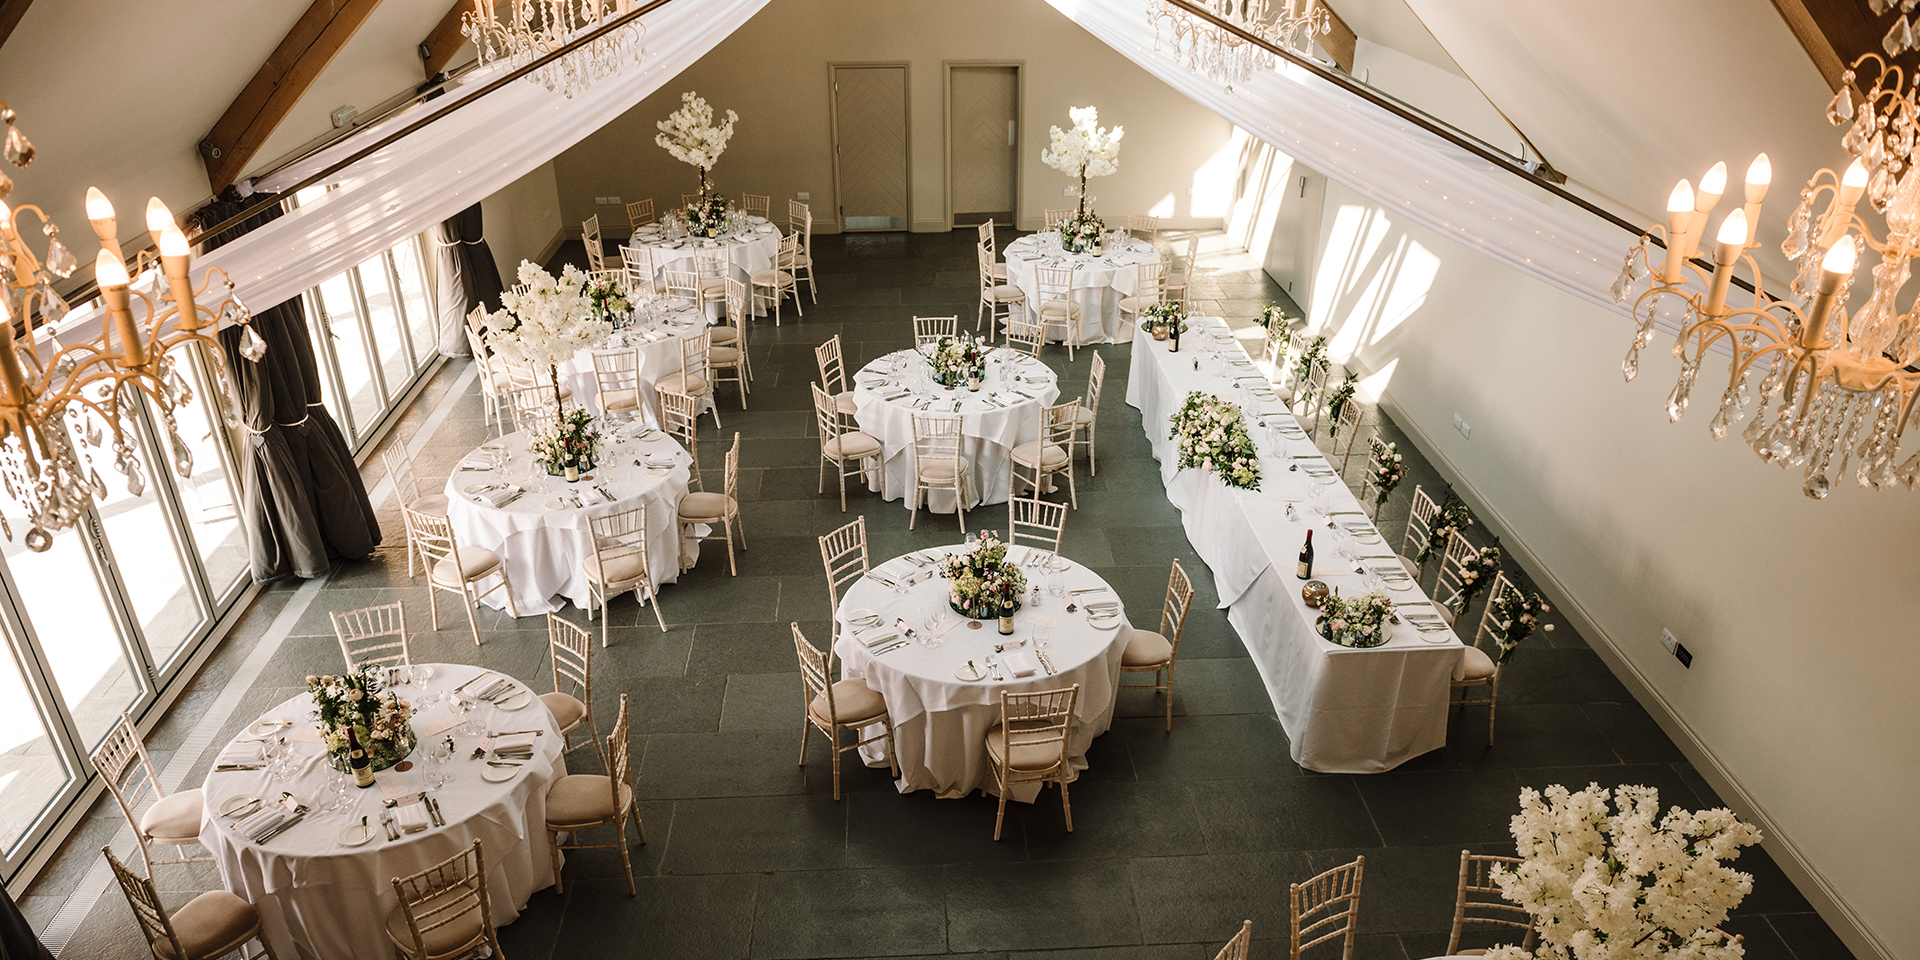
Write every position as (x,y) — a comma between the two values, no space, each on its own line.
(662,458)
(411,816)
(268,819)
(500,495)
(475,462)
(1018,664)
(878,636)
(239,753)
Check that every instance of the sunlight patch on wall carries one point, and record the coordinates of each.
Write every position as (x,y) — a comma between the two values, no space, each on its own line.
(1164,207)
(1372,277)
(1214,181)
(1370,387)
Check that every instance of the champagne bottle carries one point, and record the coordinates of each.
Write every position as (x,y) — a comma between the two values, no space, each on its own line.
(1006,616)
(1305,572)
(357,760)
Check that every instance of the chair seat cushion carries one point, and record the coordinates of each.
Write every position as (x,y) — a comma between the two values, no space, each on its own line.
(1176,280)
(852,445)
(1005,293)
(1026,756)
(1136,304)
(802,260)
(1059,308)
(474,561)
(582,798)
(1083,414)
(566,710)
(625,566)
(1475,664)
(724,334)
(772,278)
(210,924)
(843,403)
(853,701)
(998,271)
(723,356)
(433,505)
(1146,648)
(711,286)
(175,816)
(694,386)
(443,939)
(619,399)
(938,469)
(1048,455)
(702,507)
(1413,569)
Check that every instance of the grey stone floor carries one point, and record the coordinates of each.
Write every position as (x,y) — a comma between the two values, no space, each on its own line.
(1179,835)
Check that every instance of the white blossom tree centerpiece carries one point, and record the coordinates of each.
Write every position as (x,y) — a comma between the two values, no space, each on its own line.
(1625,885)
(546,321)
(1087,150)
(690,134)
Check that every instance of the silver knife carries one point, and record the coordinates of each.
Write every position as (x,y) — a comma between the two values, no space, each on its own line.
(299,814)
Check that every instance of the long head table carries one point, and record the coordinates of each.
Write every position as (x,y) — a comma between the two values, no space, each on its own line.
(1345,710)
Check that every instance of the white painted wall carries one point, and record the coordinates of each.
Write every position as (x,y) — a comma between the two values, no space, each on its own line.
(522,221)
(1440,93)
(1800,706)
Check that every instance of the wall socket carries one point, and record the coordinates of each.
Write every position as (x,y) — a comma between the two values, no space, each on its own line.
(607,201)
(1461,425)
(1675,647)
(803,196)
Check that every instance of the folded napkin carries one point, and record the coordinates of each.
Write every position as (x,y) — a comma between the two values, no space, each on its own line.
(239,753)
(514,751)
(411,815)
(475,462)
(501,496)
(266,821)
(877,637)
(1018,664)
(662,458)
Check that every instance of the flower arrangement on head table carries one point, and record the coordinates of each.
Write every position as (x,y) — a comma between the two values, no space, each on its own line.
(356,699)
(1211,432)
(1357,622)
(956,358)
(690,134)
(546,320)
(1168,315)
(1624,884)
(980,579)
(1086,150)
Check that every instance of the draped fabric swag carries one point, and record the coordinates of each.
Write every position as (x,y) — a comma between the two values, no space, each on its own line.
(302,501)
(468,276)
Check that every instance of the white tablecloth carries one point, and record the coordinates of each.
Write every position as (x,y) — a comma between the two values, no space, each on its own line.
(1098,282)
(544,538)
(749,252)
(941,721)
(658,342)
(320,899)
(1345,710)
(992,421)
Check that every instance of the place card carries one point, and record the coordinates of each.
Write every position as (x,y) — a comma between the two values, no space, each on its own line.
(304,734)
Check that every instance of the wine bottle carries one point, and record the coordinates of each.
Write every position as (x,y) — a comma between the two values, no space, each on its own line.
(1006,616)
(357,760)
(1305,572)
(1176,335)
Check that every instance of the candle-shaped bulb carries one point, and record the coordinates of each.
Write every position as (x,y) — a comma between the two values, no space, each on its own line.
(6,316)
(98,206)
(1715,182)
(1856,175)
(108,271)
(1734,228)
(6,215)
(1759,174)
(1681,199)
(1840,259)
(173,243)
(159,218)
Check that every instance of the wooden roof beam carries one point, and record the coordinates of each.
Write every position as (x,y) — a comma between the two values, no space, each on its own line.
(1836,32)
(1340,43)
(267,99)
(10,13)
(445,40)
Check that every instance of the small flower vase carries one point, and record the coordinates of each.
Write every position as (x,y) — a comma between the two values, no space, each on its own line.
(1159,333)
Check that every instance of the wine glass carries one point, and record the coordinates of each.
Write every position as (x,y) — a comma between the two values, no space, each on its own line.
(1055,587)
(440,754)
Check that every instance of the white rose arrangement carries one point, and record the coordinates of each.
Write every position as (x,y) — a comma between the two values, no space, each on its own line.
(1086,150)
(1358,622)
(1625,885)
(690,134)
(548,322)
(1211,432)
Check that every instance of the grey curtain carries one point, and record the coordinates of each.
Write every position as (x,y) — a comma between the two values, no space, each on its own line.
(468,276)
(303,505)
(17,941)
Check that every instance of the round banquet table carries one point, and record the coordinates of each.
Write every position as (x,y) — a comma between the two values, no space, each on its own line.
(321,899)
(940,721)
(1003,414)
(749,251)
(1099,283)
(663,326)
(543,534)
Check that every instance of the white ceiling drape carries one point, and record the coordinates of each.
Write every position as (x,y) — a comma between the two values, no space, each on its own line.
(409,185)
(1394,163)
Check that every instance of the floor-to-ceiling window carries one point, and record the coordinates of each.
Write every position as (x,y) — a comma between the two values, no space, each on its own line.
(105,619)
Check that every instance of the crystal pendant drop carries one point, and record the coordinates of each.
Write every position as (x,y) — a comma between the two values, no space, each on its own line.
(1799,227)
(19,150)
(1898,38)
(1816,487)
(93,433)
(251,346)
(1879,8)
(60,260)
(1909,473)
(1841,109)
(136,483)
(1621,284)
(1631,367)
(1752,433)
(182,459)
(53,307)
(178,393)
(1677,400)
(1718,425)
(99,486)
(38,540)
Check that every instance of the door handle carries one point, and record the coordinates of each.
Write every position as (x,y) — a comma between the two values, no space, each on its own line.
(1010,141)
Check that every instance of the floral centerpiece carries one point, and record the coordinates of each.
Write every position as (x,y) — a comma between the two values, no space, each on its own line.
(1453,515)
(1477,574)
(1606,885)
(1338,397)
(546,321)
(1212,433)
(1083,233)
(690,134)
(981,579)
(1517,612)
(1087,150)
(1356,622)
(956,359)
(1165,317)
(1388,470)
(573,440)
(609,296)
(380,720)
(707,215)
(1314,355)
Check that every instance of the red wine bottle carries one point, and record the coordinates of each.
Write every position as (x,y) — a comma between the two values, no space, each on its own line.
(1305,571)
(357,761)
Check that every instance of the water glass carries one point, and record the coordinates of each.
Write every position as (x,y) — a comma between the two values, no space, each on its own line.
(1056,588)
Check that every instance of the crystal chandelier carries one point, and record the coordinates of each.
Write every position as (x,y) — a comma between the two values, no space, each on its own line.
(1842,383)
(52,394)
(1225,57)
(535,28)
